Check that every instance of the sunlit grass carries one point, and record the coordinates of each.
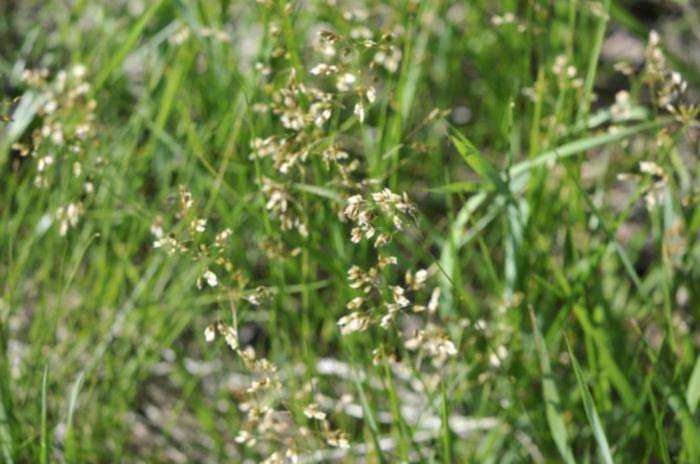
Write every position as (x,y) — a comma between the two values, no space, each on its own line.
(347,231)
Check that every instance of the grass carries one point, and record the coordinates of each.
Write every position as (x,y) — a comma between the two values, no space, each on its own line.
(558,217)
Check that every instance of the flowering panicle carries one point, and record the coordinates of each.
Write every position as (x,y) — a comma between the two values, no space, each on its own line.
(60,143)
(303,152)
(335,91)
(267,418)
(191,236)
(667,86)
(378,217)
(668,93)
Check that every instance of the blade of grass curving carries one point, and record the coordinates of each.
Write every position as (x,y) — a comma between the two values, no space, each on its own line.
(635,113)
(590,408)
(586,143)
(555,420)
(518,173)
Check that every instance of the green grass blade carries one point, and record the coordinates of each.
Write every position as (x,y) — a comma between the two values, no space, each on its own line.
(445,425)
(690,433)
(72,403)
(692,394)
(128,44)
(6,445)
(607,361)
(658,427)
(371,421)
(593,61)
(44,444)
(589,406)
(610,236)
(456,187)
(587,143)
(555,420)
(321,192)
(475,159)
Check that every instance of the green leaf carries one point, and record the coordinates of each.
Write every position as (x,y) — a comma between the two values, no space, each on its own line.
(477,161)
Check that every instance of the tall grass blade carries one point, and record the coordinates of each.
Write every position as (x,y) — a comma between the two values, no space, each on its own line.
(445,419)
(555,420)
(589,406)
(6,445)
(371,421)
(692,394)
(72,403)
(44,445)
(128,44)
(586,143)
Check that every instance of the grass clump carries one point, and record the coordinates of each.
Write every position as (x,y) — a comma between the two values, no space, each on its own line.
(349,231)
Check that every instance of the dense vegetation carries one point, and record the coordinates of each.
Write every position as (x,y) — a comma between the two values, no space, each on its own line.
(349,230)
